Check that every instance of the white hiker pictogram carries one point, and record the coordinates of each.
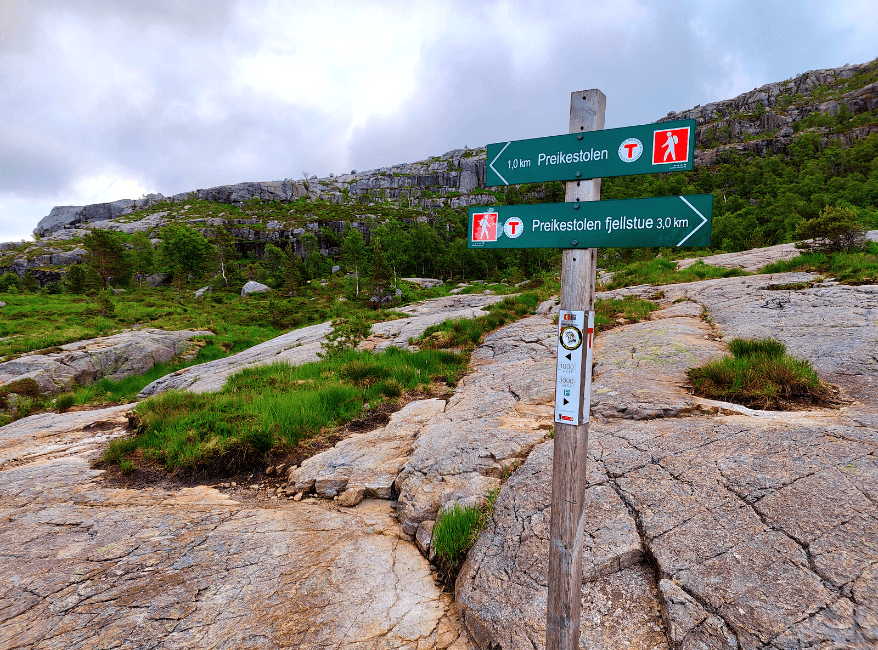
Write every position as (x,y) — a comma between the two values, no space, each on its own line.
(670,146)
(482,228)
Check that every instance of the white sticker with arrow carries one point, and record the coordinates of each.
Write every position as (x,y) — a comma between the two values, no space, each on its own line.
(573,372)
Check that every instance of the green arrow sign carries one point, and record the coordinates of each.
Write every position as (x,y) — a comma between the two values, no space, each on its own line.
(646,149)
(669,221)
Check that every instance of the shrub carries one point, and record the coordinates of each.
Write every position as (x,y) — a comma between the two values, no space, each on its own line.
(9,279)
(64,401)
(24,387)
(836,229)
(346,334)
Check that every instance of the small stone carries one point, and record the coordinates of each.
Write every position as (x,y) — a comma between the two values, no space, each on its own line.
(233,484)
(254,486)
(351,497)
(424,536)
(298,497)
(269,471)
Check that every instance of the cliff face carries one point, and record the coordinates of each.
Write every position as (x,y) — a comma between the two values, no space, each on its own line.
(447,180)
(763,121)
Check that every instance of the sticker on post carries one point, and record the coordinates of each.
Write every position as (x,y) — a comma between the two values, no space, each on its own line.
(573,372)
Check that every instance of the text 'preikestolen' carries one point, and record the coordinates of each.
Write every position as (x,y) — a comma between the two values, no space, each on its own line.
(608,225)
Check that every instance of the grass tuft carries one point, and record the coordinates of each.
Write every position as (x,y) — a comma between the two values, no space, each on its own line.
(847,268)
(454,534)
(761,374)
(663,271)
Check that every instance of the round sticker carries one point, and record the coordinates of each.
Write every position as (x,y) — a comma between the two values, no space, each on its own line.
(630,150)
(571,337)
(513,227)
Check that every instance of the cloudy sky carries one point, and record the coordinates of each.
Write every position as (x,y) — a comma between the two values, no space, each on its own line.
(108,99)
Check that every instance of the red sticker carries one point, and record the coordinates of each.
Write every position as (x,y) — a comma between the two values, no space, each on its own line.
(670,146)
(484,226)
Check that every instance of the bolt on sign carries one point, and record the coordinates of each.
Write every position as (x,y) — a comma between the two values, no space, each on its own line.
(645,149)
(667,221)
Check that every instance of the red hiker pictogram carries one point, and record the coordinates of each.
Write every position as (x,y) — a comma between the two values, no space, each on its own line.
(670,146)
(484,226)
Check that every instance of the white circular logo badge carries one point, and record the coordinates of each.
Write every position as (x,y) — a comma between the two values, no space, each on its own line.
(571,337)
(513,227)
(630,150)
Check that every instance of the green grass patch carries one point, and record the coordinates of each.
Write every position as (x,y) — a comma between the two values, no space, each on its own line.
(662,271)
(633,310)
(268,410)
(455,532)
(761,374)
(859,267)
(466,333)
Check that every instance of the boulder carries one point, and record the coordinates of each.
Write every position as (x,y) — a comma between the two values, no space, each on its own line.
(254,287)
(397,333)
(203,290)
(351,497)
(295,347)
(493,421)
(158,279)
(424,537)
(59,217)
(426,283)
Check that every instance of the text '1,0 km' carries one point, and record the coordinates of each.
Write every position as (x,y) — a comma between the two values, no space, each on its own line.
(646,149)
(668,221)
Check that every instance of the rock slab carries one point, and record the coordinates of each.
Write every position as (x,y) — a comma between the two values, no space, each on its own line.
(84,362)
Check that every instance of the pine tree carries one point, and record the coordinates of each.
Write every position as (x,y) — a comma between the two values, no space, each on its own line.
(380,275)
(293,270)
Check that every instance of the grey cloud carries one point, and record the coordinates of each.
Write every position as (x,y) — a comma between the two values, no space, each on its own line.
(470,91)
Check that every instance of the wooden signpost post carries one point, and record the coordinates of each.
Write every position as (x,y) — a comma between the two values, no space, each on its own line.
(579,229)
(578,279)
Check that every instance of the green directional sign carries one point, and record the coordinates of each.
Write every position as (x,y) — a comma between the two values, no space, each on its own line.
(668,221)
(646,149)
